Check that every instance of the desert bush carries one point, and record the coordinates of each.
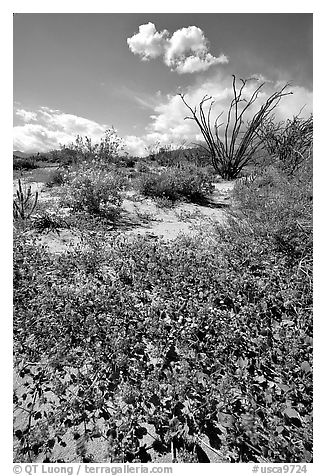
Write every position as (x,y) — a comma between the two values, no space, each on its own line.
(175,183)
(236,147)
(48,221)
(142,167)
(92,190)
(20,163)
(127,161)
(108,150)
(289,142)
(279,209)
(57,177)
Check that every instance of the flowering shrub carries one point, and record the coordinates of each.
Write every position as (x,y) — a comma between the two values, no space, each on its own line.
(188,182)
(57,177)
(92,190)
(279,208)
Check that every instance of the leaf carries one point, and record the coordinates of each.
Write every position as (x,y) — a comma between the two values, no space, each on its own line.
(213,434)
(242,363)
(307,456)
(283,387)
(260,379)
(140,432)
(291,412)
(51,443)
(159,447)
(305,367)
(143,455)
(201,377)
(155,400)
(293,415)
(19,434)
(226,419)
(247,420)
(201,455)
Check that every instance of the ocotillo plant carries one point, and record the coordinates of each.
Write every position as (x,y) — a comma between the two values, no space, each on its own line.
(24,204)
(232,151)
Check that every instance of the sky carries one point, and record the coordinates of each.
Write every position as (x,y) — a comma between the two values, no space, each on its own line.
(76,73)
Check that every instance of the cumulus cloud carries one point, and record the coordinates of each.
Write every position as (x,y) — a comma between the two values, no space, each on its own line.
(26,116)
(300,102)
(50,128)
(148,43)
(185,51)
(136,146)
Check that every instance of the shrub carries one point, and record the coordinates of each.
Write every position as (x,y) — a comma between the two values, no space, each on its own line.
(290,142)
(142,167)
(93,191)
(57,177)
(279,209)
(49,222)
(189,182)
(235,147)
(127,161)
(21,163)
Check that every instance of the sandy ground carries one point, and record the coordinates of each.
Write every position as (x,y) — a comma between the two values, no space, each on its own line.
(141,216)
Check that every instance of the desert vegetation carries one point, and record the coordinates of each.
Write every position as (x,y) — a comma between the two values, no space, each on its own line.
(128,348)
(232,150)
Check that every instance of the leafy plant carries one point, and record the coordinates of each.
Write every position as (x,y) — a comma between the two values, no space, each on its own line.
(48,222)
(20,163)
(278,208)
(93,190)
(289,142)
(24,203)
(188,182)
(107,150)
(57,178)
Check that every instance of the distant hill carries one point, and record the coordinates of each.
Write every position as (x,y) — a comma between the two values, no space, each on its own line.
(22,155)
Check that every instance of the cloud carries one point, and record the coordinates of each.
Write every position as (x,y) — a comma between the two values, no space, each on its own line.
(194,64)
(148,43)
(185,51)
(136,146)
(26,116)
(50,128)
(300,102)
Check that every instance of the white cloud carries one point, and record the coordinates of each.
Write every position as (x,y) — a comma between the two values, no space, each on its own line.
(262,78)
(148,42)
(193,64)
(50,128)
(186,51)
(26,116)
(300,100)
(135,146)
